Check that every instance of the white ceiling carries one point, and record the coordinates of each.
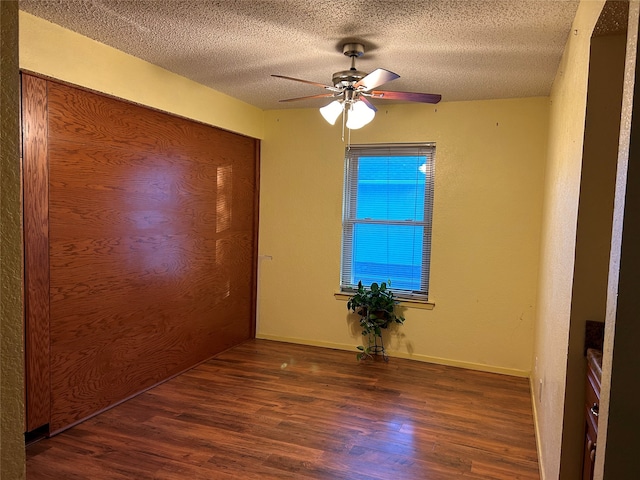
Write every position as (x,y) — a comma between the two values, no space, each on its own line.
(462,49)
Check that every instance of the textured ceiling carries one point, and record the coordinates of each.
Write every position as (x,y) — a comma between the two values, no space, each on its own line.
(462,49)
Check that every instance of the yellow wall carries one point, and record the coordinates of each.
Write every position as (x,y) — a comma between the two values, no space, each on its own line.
(51,50)
(489,165)
(11,354)
(593,235)
(618,440)
(558,246)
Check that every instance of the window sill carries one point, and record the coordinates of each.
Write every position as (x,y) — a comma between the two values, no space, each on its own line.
(404,302)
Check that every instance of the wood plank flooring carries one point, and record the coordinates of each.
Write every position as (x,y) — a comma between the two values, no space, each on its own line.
(270,410)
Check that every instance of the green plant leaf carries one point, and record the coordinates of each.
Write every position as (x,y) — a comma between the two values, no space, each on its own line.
(376,307)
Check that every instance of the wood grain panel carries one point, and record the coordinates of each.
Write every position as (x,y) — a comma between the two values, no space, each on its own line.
(144,282)
(80,116)
(36,240)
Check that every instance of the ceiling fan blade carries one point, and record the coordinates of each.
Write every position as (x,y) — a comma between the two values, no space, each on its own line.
(321,95)
(375,79)
(407,96)
(368,103)
(321,85)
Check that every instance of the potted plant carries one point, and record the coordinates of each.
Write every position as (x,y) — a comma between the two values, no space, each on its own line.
(376,307)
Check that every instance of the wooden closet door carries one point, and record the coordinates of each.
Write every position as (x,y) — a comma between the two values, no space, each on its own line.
(152,248)
(35,174)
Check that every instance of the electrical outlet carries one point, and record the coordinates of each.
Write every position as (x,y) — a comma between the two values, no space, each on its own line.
(540,384)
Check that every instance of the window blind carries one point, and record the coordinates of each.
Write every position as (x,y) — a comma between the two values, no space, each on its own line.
(387,209)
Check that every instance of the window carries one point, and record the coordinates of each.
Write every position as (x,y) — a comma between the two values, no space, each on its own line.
(388,198)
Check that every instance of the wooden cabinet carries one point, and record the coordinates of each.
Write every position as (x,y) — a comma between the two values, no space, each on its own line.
(591,410)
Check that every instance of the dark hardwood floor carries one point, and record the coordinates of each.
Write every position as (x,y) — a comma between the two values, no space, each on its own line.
(270,410)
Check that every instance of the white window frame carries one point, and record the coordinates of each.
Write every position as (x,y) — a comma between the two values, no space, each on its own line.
(348,284)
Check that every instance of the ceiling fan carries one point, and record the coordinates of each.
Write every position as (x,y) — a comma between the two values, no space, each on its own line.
(352,90)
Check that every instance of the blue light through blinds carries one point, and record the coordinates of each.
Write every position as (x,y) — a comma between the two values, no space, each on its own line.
(387,216)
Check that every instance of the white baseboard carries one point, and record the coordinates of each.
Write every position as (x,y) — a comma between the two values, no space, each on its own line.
(420,358)
(536,426)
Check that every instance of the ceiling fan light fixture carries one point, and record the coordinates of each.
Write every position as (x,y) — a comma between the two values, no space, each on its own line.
(359,115)
(352,87)
(332,111)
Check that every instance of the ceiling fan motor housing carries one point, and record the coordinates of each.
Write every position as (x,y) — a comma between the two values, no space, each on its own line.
(346,78)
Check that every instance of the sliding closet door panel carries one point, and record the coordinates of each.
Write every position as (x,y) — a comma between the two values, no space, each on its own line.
(36,240)
(152,248)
